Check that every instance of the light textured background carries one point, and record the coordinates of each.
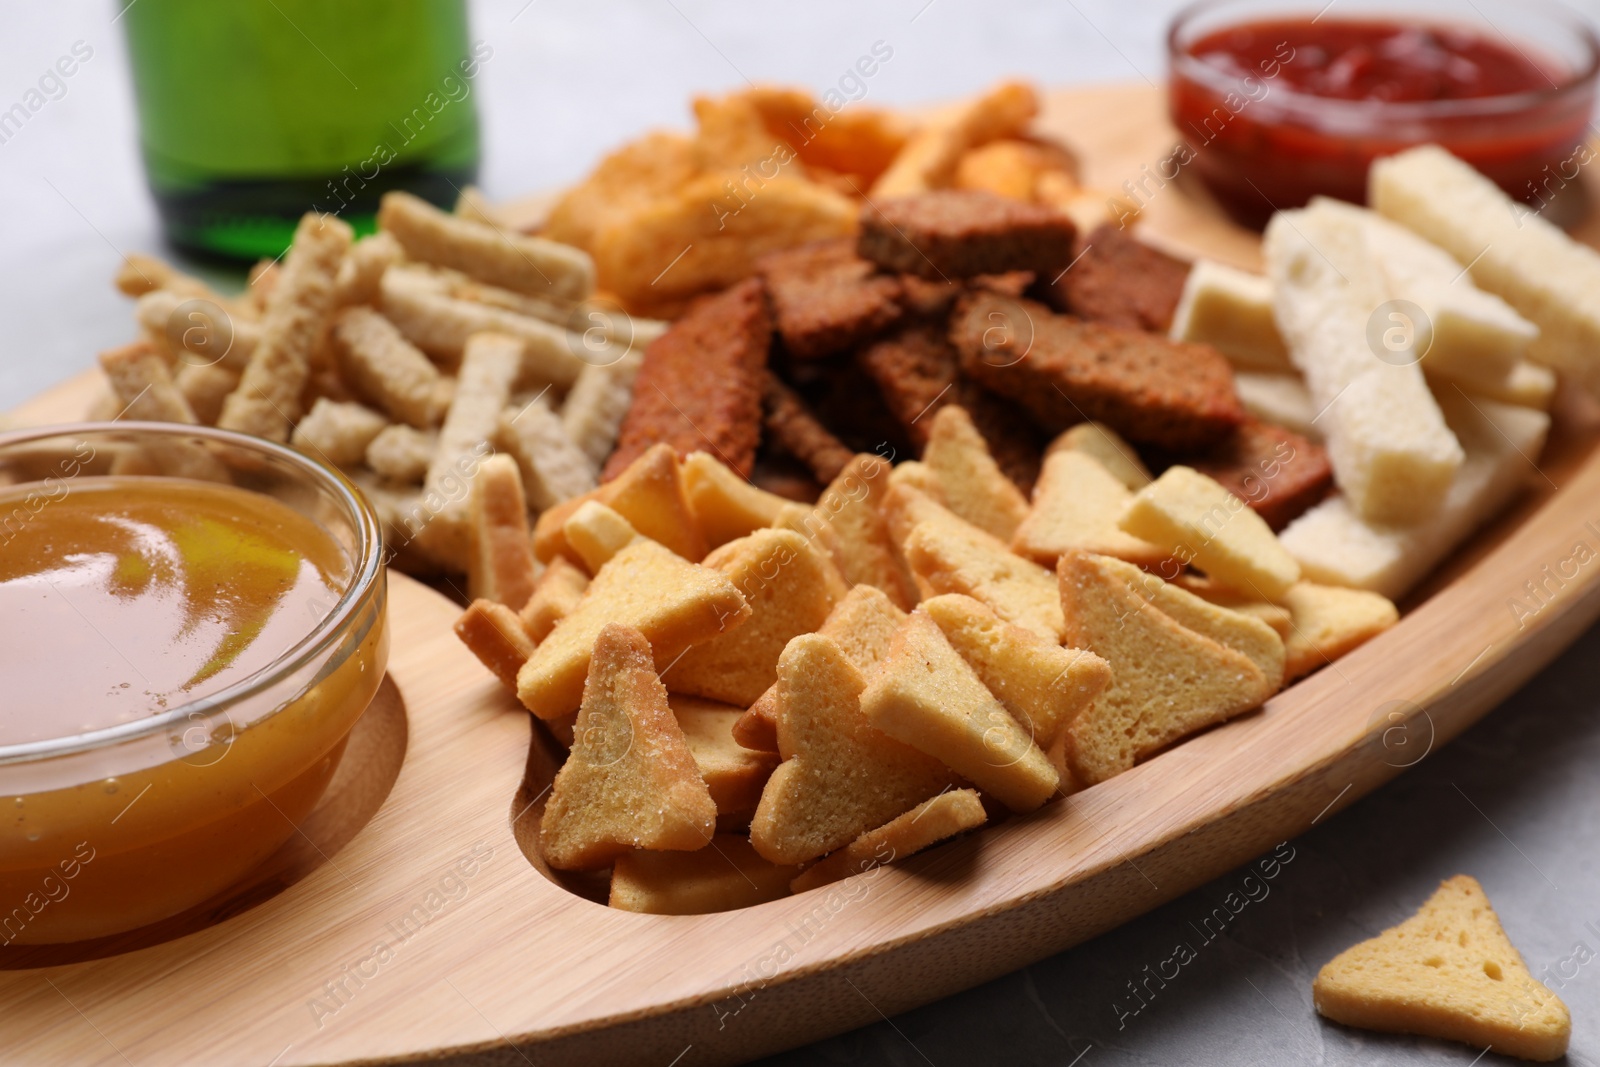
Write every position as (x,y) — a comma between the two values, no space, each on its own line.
(1513,802)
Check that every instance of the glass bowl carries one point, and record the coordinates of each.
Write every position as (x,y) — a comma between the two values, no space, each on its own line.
(112,829)
(1260,145)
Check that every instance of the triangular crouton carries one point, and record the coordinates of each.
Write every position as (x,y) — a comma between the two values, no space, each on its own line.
(809,524)
(926,695)
(495,635)
(648,493)
(790,587)
(726,875)
(913,500)
(840,776)
(851,506)
(1200,522)
(1234,629)
(555,594)
(934,820)
(957,557)
(673,602)
(1042,685)
(1166,680)
(1449,971)
(725,505)
(1326,621)
(1077,504)
(549,540)
(596,533)
(629,781)
(1103,444)
(862,625)
(1274,615)
(973,485)
(734,774)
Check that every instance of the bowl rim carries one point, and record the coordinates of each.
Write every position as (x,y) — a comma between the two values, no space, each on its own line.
(1581,79)
(366,573)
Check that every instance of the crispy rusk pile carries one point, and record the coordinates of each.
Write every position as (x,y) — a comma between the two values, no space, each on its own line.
(790,587)
(951,556)
(630,781)
(496,636)
(1078,504)
(1449,971)
(1326,621)
(1167,680)
(934,820)
(734,774)
(673,602)
(972,483)
(926,695)
(1200,522)
(1041,684)
(840,776)
(862,624)
(555,594)
(852,505)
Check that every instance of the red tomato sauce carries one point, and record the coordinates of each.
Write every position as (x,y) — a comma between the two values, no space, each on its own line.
(1312,103)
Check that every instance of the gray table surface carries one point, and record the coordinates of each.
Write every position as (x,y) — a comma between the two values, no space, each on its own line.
(1512,802)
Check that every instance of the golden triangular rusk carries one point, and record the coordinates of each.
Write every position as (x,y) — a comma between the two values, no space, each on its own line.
(863,624)
(1234,629)
(791,586)
(1076,504)
(851,506)
(1326,621)
(1167,681)
(927,824)
(973,485)
(1043,685)
(630,781)
(953,556)
(1449,971)
(927,696)
(675,603)
(840,777)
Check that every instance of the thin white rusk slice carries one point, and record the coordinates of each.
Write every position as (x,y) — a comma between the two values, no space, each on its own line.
(1463,334)
(1230,310)
(1502,443)
(1507,247)
(1391,451)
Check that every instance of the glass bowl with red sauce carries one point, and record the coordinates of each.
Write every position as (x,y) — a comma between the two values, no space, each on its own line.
(1275,102)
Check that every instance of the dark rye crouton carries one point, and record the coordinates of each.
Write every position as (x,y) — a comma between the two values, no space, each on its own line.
(825,298)
(961,233)
(795,428)
(1119,280)
(1278,473)
(1065,371)
(917,372)
(699,388)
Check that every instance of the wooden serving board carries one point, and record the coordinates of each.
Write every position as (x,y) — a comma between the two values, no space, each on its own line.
(430,935)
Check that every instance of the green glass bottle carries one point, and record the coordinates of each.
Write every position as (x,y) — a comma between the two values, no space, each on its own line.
(253,112)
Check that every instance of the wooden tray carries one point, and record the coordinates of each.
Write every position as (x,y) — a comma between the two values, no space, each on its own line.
(429,935)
